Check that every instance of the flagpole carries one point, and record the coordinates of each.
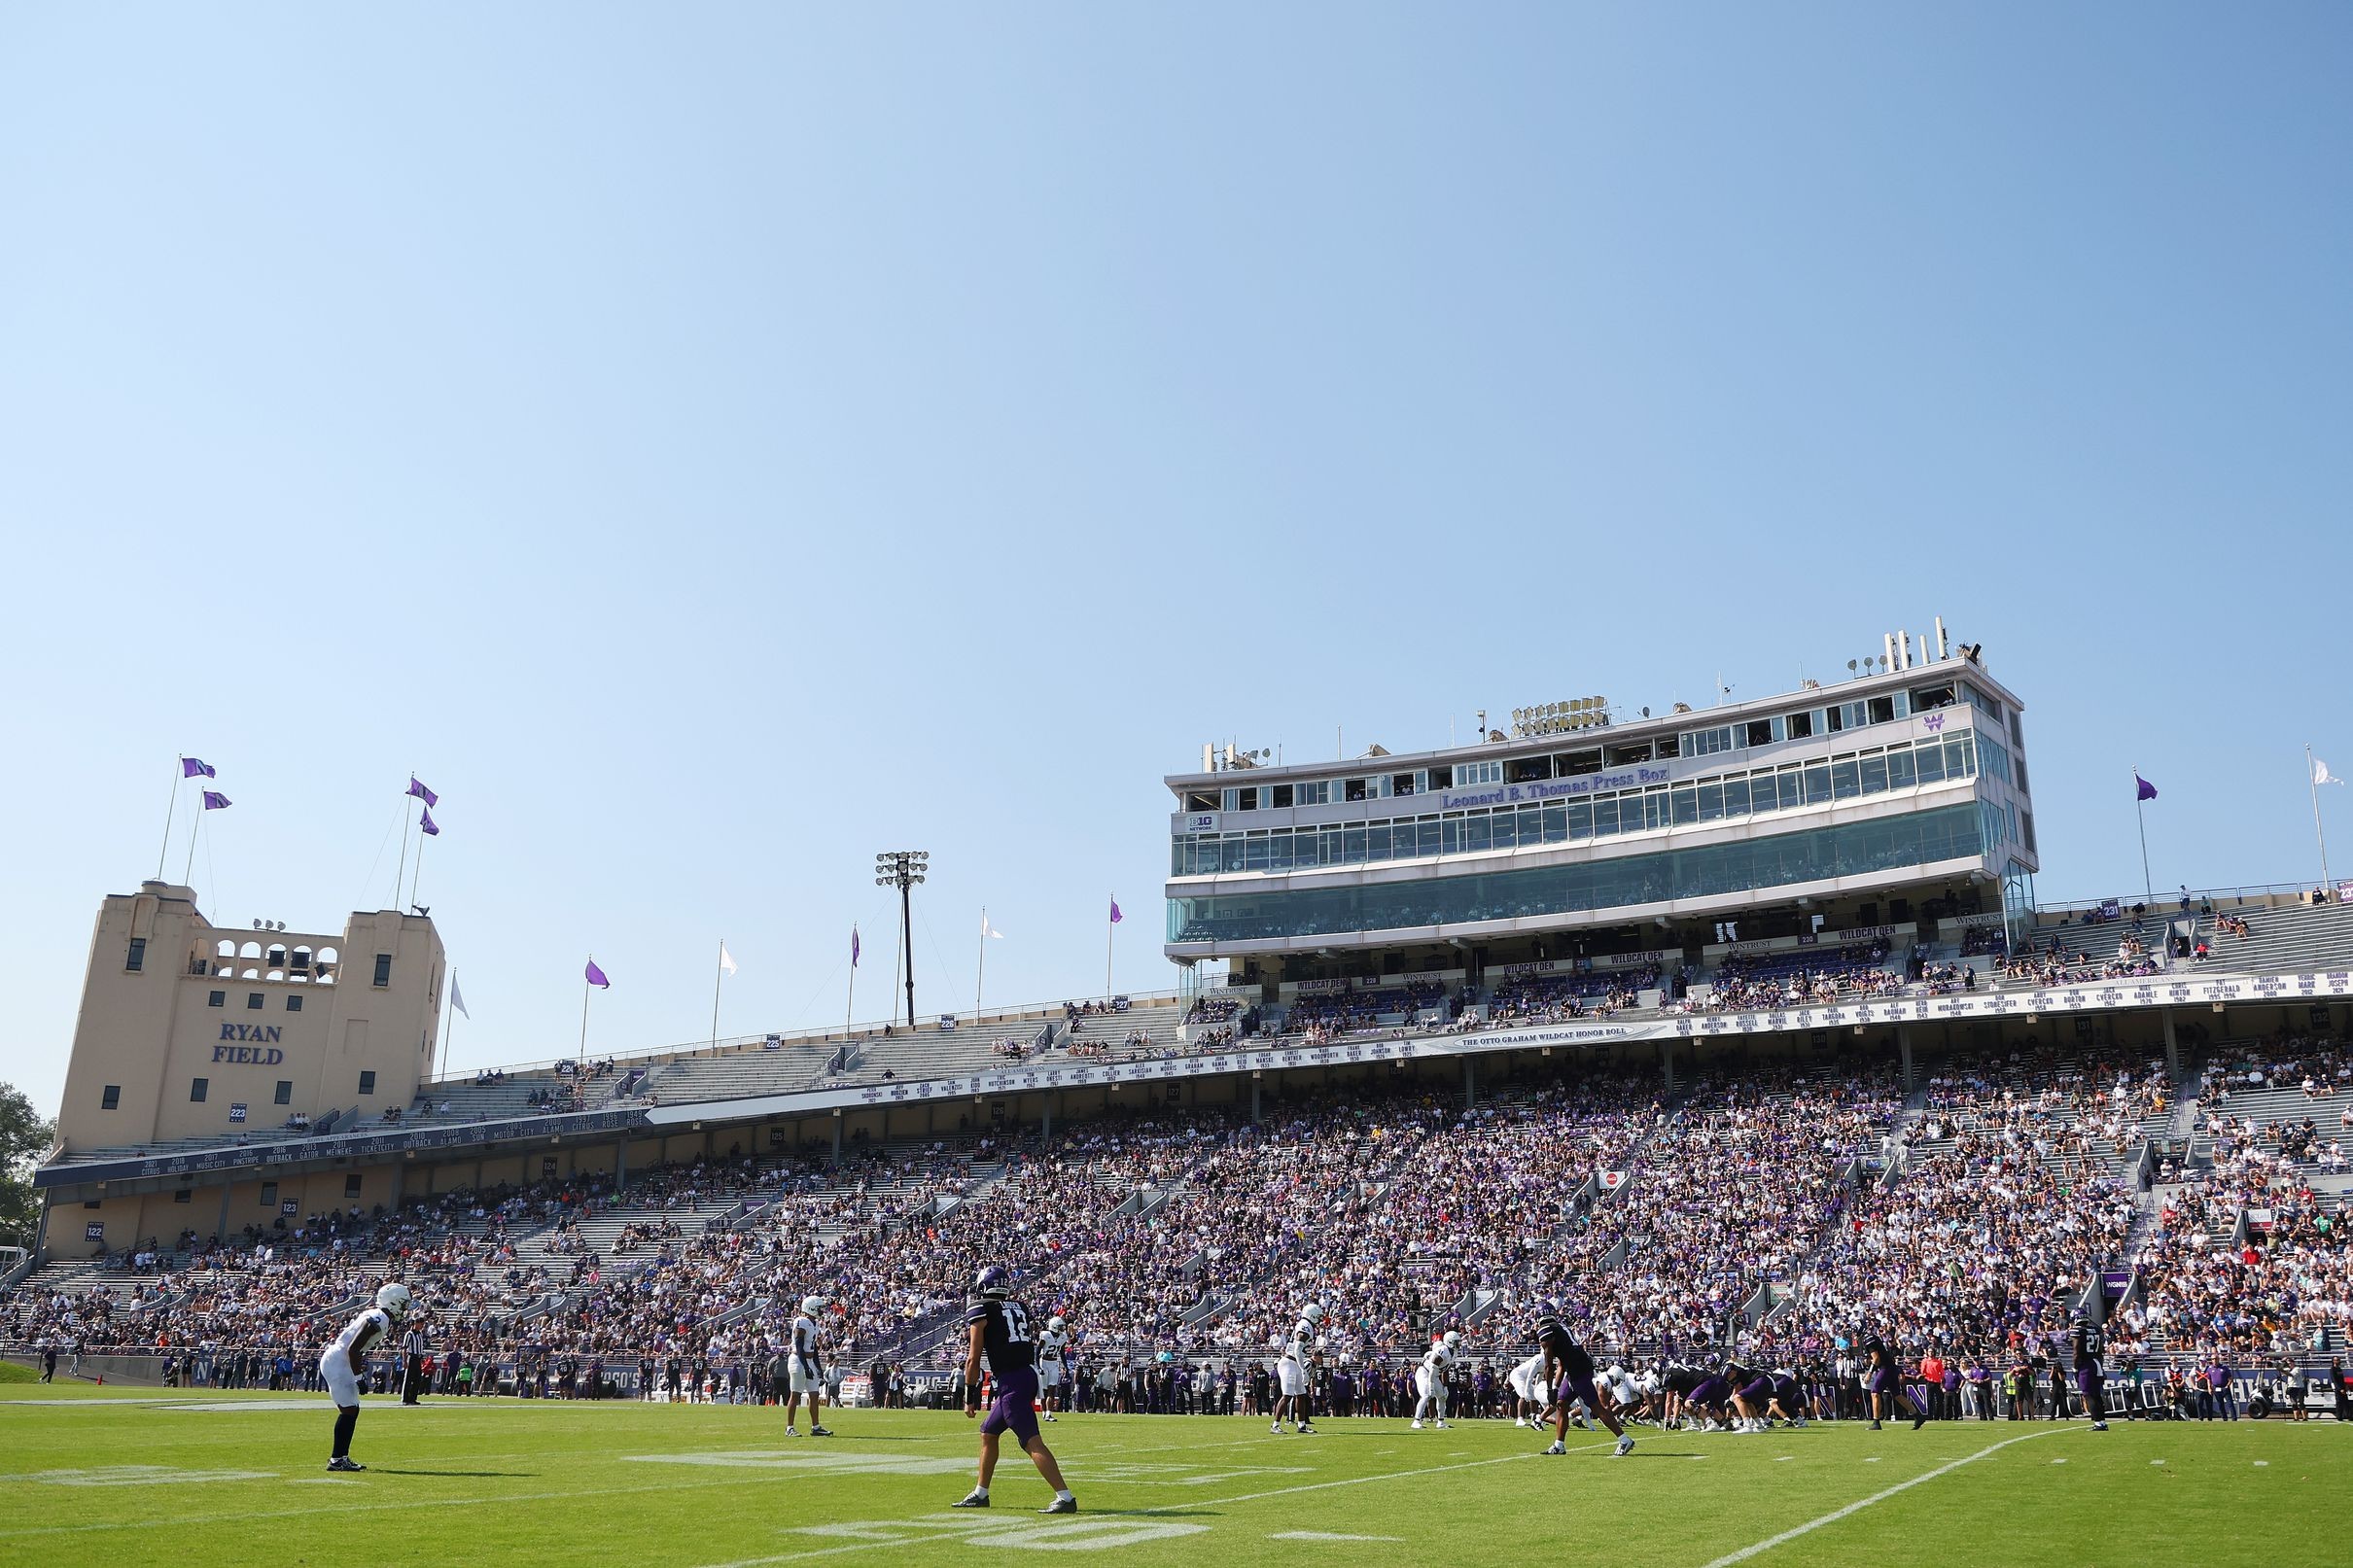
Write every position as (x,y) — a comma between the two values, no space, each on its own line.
(2312,782)
(584,1010)
(983,968)
(1106,951)
(179,770)
(400,868)
(2141,810)
(191,869)
(718,972)
(851,1001)
(416,872)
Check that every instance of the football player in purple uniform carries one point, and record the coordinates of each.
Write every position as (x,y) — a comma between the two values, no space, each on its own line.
(998,1329)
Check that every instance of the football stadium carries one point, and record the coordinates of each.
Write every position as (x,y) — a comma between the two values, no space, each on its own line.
(1683,1116)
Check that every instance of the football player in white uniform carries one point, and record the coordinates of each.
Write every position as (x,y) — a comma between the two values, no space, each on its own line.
(1293,1373)
(340,1366)
(1429,1378)
(1053,1364)
(805,1368)
(1530,1394)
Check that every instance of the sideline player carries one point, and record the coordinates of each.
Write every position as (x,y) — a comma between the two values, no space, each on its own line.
(339,1365)
(805,1370)
(1886,1383)
(1053,1349)
(1570,1369)
(2089,1380)
(999,1330)
(1295,1378)
(1429,1378)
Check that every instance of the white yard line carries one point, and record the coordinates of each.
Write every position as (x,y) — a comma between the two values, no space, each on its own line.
(1189,1506)
(1856,1507)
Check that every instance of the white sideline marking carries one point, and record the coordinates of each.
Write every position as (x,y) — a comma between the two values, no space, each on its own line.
(2263,1464)
(1856,1507)
(1327,1535)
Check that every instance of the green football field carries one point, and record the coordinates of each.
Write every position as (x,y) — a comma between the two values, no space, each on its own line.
(137,1476)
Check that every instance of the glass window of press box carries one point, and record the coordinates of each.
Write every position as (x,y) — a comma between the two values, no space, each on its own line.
(1852,849)
(1726,797)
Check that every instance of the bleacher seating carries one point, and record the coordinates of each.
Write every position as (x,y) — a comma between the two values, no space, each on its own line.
(2282,939)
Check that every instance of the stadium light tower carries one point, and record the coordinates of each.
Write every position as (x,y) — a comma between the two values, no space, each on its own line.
(903,869)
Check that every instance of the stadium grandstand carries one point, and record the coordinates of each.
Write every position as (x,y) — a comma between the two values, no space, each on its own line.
(1734,1030)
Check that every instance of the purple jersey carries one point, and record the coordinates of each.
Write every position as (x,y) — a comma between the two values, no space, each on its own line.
(1004,1336)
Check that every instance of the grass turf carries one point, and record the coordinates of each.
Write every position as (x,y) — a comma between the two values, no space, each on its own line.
(90,1476)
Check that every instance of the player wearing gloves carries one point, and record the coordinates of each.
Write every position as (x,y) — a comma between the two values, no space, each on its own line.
(1294,1373)
(805,1368)
(1429,1378)
(339,1365)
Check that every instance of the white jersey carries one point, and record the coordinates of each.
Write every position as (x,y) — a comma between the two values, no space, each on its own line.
(361,1334)
(804,1342)
(1050,1345)
(1527,1379)
(1303,1343)
(1437,1361)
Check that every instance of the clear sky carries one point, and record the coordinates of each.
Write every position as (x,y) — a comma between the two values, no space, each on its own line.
(711,444)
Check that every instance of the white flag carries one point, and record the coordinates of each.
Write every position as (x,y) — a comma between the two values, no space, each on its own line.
(457,998)
(726,960)
(986,929)
(2321,774)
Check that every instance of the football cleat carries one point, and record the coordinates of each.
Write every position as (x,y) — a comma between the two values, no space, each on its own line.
(1417,1423)
(792,1431)
(345,1464)
(1558,1446)
(2099,1426)
(821,1431)
(1277,1428)
(977,1498)
(1919,1421)
(1306,1430)
(1626,1445)
(1061,1505)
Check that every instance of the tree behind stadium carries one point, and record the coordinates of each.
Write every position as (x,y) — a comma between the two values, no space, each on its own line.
(24,1136)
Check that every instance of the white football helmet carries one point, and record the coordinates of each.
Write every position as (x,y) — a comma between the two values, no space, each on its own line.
(812,1304)
(1313,1312)
(394,1301)
(1054,1324)
(1454,1339)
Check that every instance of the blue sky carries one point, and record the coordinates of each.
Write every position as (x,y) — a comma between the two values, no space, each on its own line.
(711,444)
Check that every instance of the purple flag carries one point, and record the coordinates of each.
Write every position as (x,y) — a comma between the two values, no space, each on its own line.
(197,768)
(596,977)
(421,794)
(1114,908)
(852,947)
(214,800)
(432,828)
(2145,789)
